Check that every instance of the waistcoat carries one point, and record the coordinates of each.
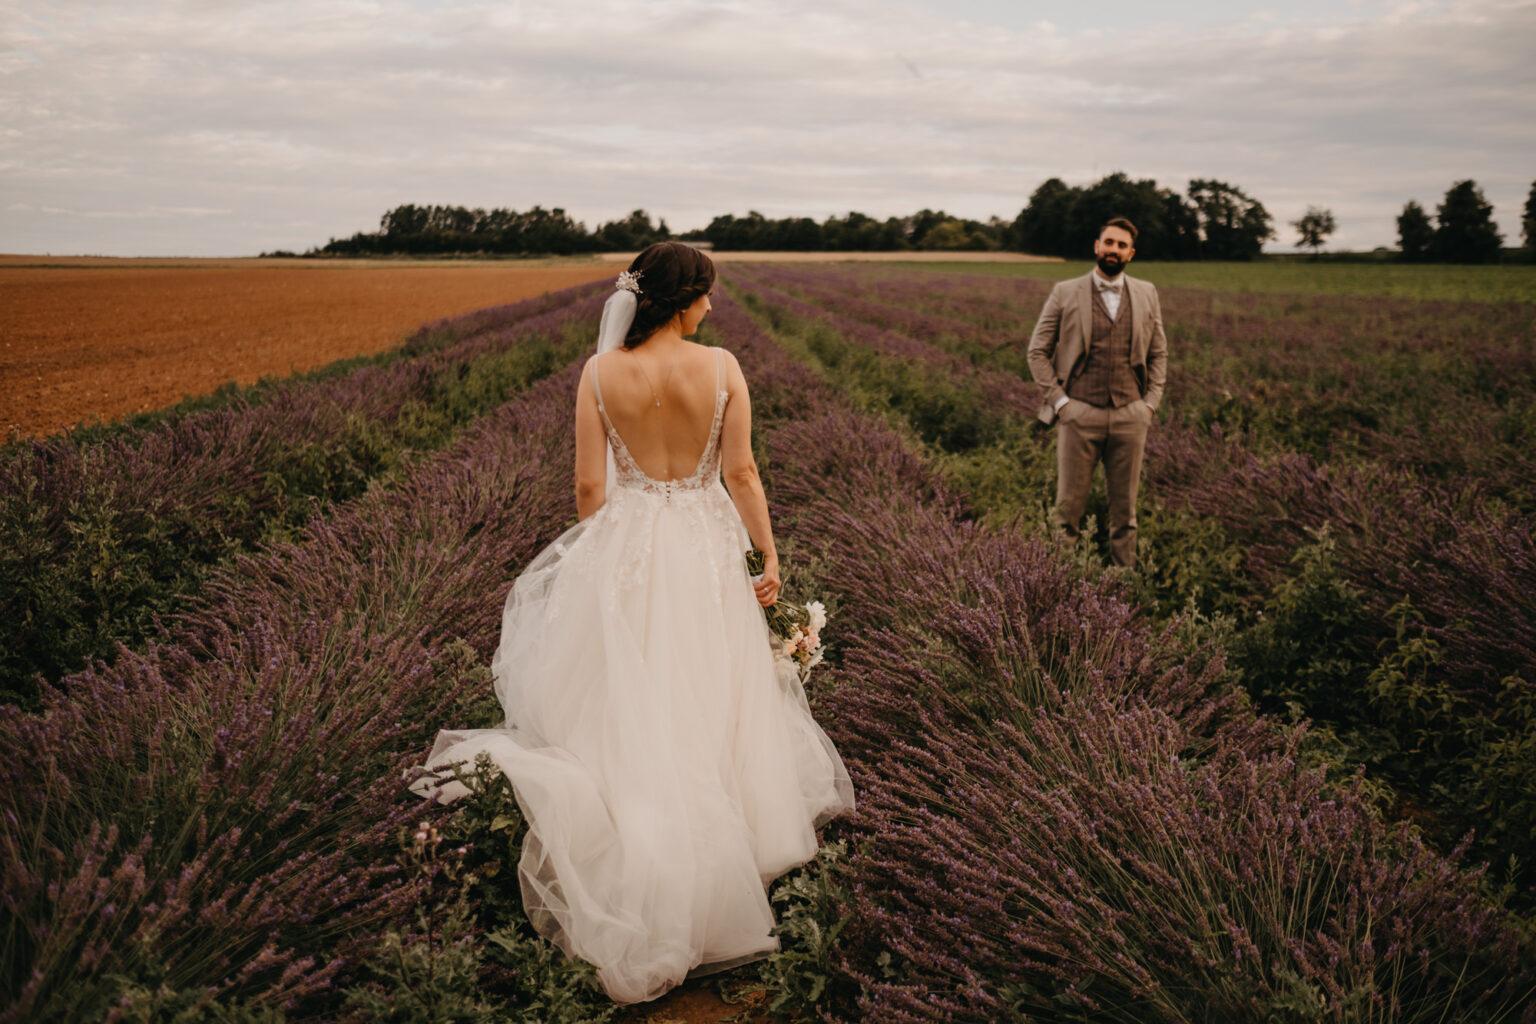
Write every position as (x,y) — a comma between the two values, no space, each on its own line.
(1104,377)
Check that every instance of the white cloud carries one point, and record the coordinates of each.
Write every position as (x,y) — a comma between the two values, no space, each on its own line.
(226,129)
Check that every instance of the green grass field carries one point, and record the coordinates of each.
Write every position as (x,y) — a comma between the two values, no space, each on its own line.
(1504,283)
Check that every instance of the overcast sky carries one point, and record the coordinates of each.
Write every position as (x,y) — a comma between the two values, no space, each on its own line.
(226,128)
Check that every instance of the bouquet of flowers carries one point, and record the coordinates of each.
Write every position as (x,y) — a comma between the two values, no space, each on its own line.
(795,629)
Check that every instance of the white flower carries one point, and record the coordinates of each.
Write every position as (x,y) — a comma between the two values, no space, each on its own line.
(629,282)
(818,613)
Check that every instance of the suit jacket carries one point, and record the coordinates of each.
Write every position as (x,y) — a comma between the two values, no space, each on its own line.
(1064,332)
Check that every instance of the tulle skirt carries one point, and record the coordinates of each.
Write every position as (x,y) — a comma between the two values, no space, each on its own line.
(667,772)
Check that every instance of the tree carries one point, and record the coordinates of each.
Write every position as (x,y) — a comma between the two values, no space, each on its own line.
(1313,227)
(1233,225)
(552,231)
(1528,222)
(1415,235)
(1041,227)
(922,222)
(1464,231)
(730,232)
(1182,223)
(859,232)
(1061,220)
(1116,195)
(632,233)
(949,234)
(409,219)
(796,234)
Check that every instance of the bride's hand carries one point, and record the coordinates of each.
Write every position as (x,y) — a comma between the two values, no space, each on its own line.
(767,585)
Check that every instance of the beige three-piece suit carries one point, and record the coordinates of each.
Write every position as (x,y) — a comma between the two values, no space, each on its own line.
(1112,368)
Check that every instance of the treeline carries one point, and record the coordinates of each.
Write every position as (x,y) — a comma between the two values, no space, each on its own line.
(1211,220)
(1216,220)
(416,230)
(1463,230)
(856,232)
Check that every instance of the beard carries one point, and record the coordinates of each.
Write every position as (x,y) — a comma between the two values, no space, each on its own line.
(1111,265)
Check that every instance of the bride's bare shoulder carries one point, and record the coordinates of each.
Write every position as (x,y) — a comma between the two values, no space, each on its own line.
(605,364)
(703,357)
(594,371)
(711,350)
(734,377)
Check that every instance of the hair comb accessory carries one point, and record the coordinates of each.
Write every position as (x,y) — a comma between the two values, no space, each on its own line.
(629,282)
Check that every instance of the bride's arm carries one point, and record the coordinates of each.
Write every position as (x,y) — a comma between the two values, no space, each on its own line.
(739,467)
(591,449)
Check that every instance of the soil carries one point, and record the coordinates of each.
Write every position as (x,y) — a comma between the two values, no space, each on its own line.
(698,1002)
(95,337)
(99,337)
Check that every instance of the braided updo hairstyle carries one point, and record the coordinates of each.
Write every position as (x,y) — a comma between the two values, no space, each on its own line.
(672,277)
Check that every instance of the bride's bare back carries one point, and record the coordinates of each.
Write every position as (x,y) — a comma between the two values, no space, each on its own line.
(667,440)
(659,400)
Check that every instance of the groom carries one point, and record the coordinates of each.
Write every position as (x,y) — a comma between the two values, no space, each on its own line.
(1100,355)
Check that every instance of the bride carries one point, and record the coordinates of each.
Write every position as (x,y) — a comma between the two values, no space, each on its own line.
(667,772)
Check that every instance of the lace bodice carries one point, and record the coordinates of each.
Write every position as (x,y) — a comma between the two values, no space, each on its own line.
(627,470)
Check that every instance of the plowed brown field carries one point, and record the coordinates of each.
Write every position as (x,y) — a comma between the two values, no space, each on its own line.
(84,338)
(98,337)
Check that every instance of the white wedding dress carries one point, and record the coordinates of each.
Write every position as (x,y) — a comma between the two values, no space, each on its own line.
(666,771)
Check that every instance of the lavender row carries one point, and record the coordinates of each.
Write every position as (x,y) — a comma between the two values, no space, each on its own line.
(99,536)
(1400,613)
(1349,585)
(1442,389)
(1490,334)
(1275,502)
(991,312)
(368,600)
(1065,811)
(990,386)
(218,813)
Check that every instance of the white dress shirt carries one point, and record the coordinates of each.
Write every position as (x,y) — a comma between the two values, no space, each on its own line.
(1109,291)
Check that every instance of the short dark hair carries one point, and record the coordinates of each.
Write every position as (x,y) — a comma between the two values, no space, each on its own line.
(1122,224)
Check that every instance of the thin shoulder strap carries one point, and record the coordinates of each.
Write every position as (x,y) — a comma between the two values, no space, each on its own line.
(719,369)
(597,390)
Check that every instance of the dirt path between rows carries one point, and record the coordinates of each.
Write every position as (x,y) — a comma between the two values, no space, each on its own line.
(696,1002)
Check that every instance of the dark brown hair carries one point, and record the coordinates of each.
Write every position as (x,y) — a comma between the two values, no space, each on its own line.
(1122,224)
(672,277)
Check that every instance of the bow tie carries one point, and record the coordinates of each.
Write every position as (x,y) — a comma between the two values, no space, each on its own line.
(1107,286)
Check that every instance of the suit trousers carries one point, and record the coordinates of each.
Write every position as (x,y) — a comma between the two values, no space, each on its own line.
(1118,437)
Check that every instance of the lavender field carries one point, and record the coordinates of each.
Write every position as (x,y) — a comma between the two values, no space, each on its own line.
(1284,773)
